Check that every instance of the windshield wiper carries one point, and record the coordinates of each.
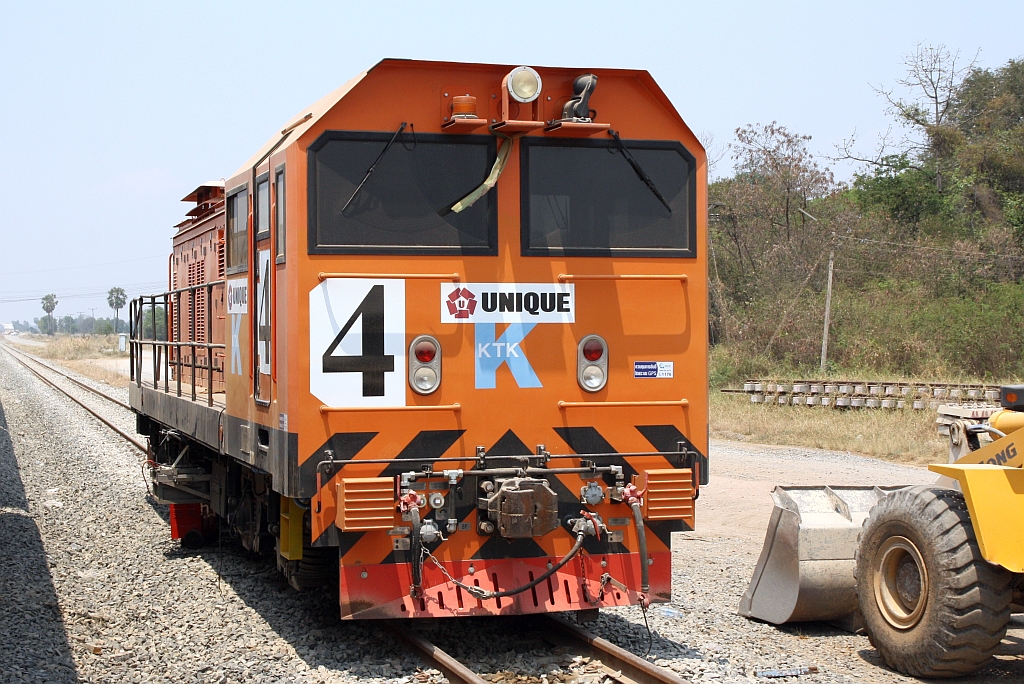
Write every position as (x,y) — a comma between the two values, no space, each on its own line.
(373,166)
(638,170)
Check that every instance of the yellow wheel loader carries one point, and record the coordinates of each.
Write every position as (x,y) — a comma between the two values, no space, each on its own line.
(931,574)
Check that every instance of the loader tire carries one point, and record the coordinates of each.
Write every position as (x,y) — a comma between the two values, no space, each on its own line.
(932,606)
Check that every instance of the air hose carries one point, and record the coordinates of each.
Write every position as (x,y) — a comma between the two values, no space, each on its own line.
(483,594)
(641,532)
(417,556)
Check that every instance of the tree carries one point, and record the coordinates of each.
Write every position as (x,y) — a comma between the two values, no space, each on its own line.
(762,236)
(49,304)
(67,324)
(116,300)
(148,331)
(933,80)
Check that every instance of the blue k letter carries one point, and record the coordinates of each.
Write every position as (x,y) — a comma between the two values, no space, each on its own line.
(491,353)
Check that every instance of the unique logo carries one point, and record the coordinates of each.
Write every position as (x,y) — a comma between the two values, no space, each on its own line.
(461,303)
(470,303)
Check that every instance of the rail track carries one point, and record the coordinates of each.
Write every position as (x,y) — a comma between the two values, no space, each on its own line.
(592,658)
(27,361)
(599,660)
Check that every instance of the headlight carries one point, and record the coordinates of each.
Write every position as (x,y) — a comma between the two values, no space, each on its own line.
(524,84)
(593,377)
(424,379)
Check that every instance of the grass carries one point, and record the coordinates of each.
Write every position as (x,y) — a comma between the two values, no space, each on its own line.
(67,348)
(76,353)
(90,370)
(893,435)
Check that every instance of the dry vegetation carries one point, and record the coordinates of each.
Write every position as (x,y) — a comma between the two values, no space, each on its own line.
(65,348)
(86,355)
(904,436)
(90,369)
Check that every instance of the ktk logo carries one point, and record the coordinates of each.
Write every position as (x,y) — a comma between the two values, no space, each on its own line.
(461,303)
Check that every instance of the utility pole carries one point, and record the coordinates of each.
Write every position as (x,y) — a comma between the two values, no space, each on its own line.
(828,294)
(828,303)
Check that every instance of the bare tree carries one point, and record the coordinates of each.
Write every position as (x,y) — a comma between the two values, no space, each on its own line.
(763,239)
(933,78)
(714,151)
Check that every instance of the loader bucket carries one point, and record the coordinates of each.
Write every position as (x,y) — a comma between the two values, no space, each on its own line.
(805,571)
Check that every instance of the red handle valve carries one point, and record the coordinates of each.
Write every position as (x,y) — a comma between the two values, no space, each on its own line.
(632,495)
(409,501)
(594,521)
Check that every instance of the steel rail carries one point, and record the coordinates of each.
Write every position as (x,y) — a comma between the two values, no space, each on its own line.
(68,377)
(433,656)
(631,666)
(619,664)
(137,444)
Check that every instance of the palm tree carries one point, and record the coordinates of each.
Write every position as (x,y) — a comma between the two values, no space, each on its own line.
(49,304)
(116,300)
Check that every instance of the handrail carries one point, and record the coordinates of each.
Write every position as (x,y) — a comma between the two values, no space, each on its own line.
(615,404)
(188,288)
(456,407)
(564,277)
(163,350)
(405,276)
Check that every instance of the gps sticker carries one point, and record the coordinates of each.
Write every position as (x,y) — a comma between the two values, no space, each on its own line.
(653,369)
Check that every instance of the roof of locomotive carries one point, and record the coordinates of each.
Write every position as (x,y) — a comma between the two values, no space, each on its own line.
(309,116)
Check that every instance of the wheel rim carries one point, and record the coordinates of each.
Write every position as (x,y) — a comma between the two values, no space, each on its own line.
(901,582)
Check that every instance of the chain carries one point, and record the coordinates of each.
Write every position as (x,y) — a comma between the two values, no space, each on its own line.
(586,582)
(476,592)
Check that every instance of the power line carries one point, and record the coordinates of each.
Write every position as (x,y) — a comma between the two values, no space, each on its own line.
(74,268)
(907,245)
(134,288)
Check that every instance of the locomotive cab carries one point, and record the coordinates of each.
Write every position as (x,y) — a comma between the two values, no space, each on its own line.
(453,352)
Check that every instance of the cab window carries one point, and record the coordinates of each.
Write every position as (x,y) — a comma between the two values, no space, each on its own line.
(238,230)
(404,205)
(585,198)
(262,217)
(280,217)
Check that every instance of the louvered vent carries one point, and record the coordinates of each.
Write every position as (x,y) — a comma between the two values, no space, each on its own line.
(366,503)
(668,495)
(221,257)
(200,299)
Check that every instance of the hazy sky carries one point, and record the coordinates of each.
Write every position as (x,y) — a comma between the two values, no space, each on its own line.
(111,112)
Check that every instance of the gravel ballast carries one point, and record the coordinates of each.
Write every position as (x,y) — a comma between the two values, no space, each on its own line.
(93,589)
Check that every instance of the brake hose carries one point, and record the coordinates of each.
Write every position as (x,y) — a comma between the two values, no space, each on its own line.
(641,532)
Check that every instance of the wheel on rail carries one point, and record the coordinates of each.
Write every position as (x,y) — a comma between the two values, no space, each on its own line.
(193,539)
(932,606)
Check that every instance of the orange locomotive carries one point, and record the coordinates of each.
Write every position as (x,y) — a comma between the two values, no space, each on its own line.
(443,340)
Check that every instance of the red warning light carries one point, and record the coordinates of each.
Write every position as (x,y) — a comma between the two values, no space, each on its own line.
(425,351)
(593,349)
